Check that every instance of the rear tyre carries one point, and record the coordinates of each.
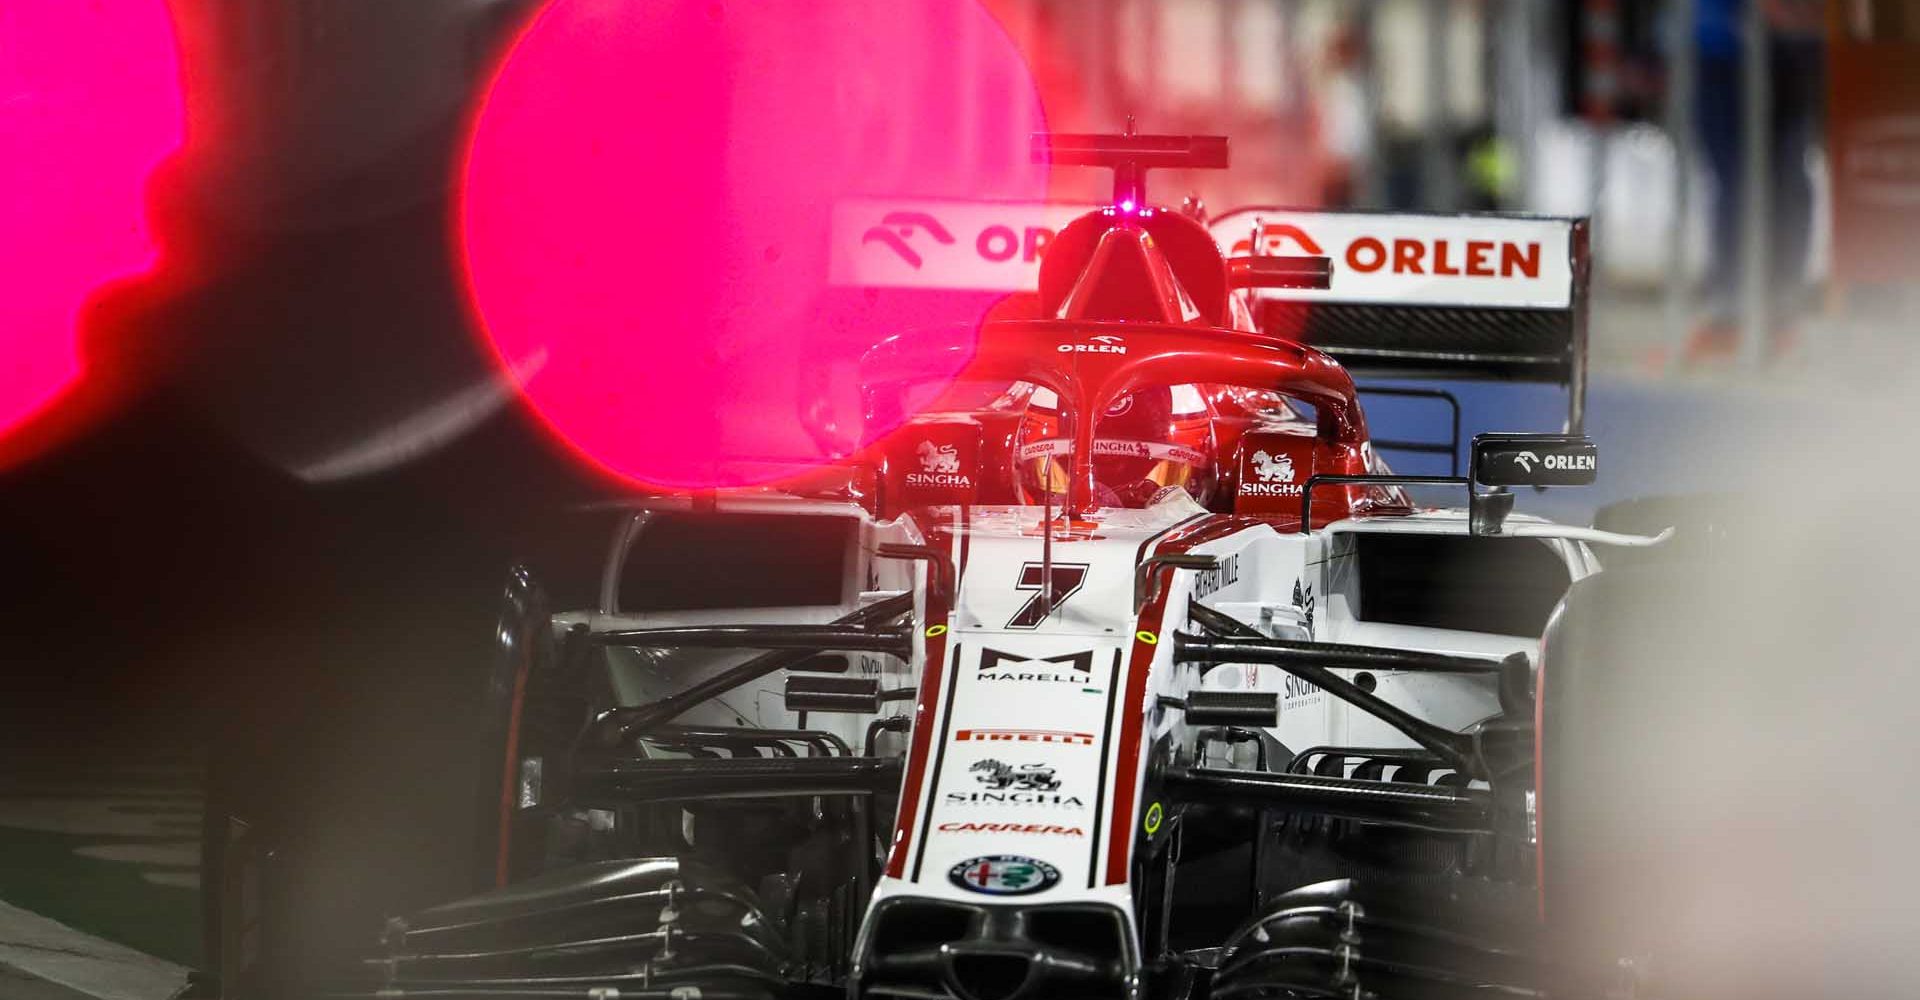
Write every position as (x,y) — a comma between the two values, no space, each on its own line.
(1704,528)
(1631,664)
(536,704)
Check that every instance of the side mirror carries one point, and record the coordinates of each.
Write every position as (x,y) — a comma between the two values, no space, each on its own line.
(1534,460)
(1503,460)
(1279,272)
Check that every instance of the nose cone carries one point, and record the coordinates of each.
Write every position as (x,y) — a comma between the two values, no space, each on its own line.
(995,974)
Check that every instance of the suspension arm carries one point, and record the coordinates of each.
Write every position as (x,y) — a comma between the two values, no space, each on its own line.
(625,779)
(1425,807)
(1454,748)
(620,724)
(808,638)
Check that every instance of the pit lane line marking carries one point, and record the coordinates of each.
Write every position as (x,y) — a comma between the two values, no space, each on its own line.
(48,950)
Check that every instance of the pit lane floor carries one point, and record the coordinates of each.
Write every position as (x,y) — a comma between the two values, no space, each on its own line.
(99,872)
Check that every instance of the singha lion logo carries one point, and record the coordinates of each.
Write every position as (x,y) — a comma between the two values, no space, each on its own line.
(941,459)
(1271,469)
(1027,777)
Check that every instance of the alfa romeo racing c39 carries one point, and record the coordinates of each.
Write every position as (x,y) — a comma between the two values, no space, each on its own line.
(1125,667)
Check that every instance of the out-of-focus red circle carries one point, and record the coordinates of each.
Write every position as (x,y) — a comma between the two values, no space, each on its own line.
(90,103)
(646,200)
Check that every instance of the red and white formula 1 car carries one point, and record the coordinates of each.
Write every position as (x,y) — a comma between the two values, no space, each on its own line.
(1125,668)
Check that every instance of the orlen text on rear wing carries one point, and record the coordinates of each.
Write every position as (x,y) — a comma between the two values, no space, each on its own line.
(1448,296)
(1454,296)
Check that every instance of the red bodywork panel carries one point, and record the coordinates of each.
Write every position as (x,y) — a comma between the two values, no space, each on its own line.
(1089,364)
(1134,300)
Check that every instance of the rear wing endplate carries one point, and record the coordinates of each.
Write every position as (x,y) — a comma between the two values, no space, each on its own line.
(1446,296)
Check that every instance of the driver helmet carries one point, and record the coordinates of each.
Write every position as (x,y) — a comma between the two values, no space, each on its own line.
(1147,441)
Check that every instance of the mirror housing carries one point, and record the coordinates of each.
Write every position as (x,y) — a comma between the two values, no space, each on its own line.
(1279,272)
(1537,460)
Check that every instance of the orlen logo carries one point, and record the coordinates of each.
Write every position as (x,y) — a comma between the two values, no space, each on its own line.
(896,228)
(996,243)
(1442,258)
(1554,462)
(1445,258)
(939,466)
(1101,344)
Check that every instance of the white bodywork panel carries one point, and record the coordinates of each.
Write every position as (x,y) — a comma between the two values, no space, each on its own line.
(1298,586)
(1026,757)
(1042,724)
(639,676)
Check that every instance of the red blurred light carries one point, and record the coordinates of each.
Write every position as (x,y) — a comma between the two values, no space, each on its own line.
(90,103)
(644,210)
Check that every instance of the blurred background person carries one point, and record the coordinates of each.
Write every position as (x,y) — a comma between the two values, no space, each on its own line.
(1346,122)
(1795,54)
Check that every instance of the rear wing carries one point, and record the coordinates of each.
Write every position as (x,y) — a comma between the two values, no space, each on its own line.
(1446,296)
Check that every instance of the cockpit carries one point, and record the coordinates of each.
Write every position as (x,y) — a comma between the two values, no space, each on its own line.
(1013,444)
(1134,370)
